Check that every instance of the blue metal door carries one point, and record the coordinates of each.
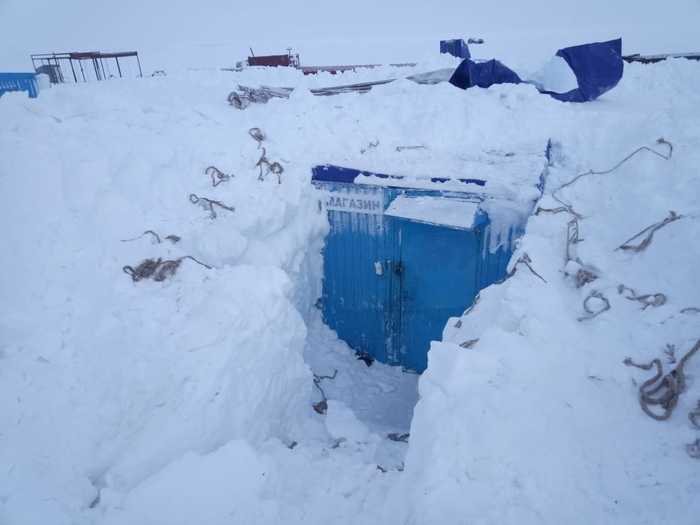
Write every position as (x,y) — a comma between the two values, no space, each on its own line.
(438,281)
(359,290)
(391,284)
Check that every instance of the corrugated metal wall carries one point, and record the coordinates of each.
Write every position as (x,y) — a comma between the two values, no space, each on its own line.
(390,284)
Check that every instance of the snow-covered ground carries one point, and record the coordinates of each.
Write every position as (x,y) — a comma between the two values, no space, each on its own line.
(190,400)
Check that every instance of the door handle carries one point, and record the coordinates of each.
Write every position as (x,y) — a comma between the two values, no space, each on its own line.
(396,266)
(379,268)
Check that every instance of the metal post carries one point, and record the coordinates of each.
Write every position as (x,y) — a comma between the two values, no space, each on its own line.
(75,79)
(118,68)
(80,63)
(139,63)
(103,69)
(59,71)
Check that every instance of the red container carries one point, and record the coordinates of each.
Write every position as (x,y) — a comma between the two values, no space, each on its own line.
(271,60)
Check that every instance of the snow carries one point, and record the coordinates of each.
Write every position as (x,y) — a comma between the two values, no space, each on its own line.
(555,75)
(225,497)
(381,396)
(190,400)
(123,378)
(506,220)
(342,423)
(434,210)
(555,433)
(509,171)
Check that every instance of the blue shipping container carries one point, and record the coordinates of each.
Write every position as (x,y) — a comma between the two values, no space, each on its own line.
(399,261)
(455,47)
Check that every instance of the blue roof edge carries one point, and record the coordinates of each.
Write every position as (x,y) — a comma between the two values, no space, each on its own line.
(333,173)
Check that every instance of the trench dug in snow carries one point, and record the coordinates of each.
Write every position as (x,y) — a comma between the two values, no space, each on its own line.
(362,400)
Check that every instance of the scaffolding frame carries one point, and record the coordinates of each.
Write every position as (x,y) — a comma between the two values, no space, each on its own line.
(54,61)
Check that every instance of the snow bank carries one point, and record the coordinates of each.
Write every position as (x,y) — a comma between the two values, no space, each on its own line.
(105,381)
(434,210)
(170,401)
(538,421)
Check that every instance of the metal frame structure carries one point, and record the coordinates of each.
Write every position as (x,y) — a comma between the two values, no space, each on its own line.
(292,60)
(19,82)
(652,59)
(288,60)
(96,58)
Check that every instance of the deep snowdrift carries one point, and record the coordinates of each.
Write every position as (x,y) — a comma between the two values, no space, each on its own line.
(179,402)
(538,421)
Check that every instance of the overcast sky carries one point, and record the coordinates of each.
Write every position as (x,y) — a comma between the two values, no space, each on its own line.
(209,31)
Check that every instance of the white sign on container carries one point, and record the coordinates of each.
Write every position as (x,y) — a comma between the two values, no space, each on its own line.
(355,200)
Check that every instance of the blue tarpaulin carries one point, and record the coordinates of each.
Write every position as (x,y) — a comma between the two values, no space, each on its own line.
(483,74)
(455,47)
(597,67)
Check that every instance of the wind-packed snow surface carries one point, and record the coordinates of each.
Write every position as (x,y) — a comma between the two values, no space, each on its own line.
(189,400)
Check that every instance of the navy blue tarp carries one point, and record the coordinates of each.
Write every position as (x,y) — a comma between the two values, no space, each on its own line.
(455,47)
(483,74)
(597,67)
